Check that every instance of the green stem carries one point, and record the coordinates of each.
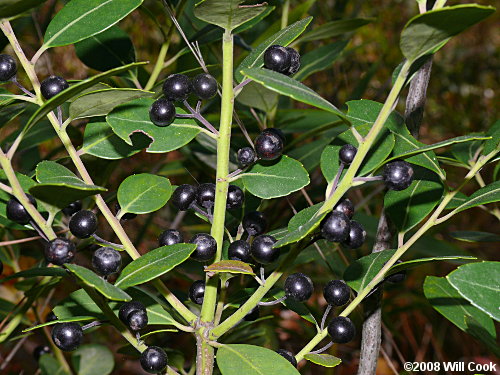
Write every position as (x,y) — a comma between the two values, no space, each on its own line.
(159,64)
(284,15)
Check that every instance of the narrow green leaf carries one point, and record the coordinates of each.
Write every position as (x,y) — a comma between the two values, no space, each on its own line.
(335,28)
(35,272)
(67,320)
(297,307)
(421,261)
(488,194)
(12,8)
(359,273)
(320,59)
(473,236)
(257,96)
(102,286)
(325,360)
(154,264)
(144,193)
(228,14)
(491,144)
(230,266)
(303,216)
(92,359)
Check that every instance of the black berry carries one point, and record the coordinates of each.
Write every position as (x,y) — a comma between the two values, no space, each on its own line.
(50,317)
(16,211)
(277,58)
(177,87)
(239,250)
(398,175)
(72,208)
(8,67)
(246,156)
(275,131)
(397,277)
(206,247)
(183,196)
(294,61)
(298,287)
(337,293)
(255,223)
(67,336)
(253,315)
(83,224)
(341,329)
(154,360)
(346,207)
(170,237)
(262,249)
(197,291)
(204,86)
(235,197)
(357,235)
(106,261)
(59,251)
(162,112)
(336,227)
(128,308)
(39,351)
(205,195)
(52,86)
(347,154)
(288,356)
(137,320)
(127,216)
(268,146)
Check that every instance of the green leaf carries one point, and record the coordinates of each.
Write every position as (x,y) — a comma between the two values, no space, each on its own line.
(110,49)
(99,140)
(133,117)
(488,194)
(309,154)
(72,319)
(325,360)
(466,153)
(491,144)
(228,14)
(359,273)
(93,359)
(35,272)
(303,216)
(456,201)
(144,193)
(154,264)
(361,112)
(428,31)
(473,236)
(230,266)
(257,96)
(408,207)
(421,261)
(49,366)
(297,307)
(102,286)
(236,359)
(287,86)
(475,329)
(12,8)
(74,90)
(449,303)
(479,283)
(81,19)
(275,179)
(320,59)
(335,28)
(284,37)
(102,102)
(301,232)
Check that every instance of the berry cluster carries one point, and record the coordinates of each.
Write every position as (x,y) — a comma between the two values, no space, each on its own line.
(283,60)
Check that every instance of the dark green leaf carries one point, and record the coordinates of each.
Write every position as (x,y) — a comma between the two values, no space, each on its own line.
(428,31)
(472,236)
(153,264)
(12,8)
(418,262)
(303,217)
(325,360)
(228,14)
(456,201)
(92,359)
(309,154)
(335,28)
(34,272)
(297,307)
(475,329)
(257,96)
(359,273)
(230,266)
(144,193)
(320,59)
(301,232)
(102,286)
(49,366)
(275,179)
(72,319)
(465,153)
(491,144)
(488,194)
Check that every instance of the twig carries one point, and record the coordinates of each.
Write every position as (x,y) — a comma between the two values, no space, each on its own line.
(321,350)
(275,302)
(102,240)
(198,116)
(325,315)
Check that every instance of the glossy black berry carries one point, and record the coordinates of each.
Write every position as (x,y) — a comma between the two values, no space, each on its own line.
(154,360)
(347,154)
(162,112)
(204,86)
(52,86)
(246,156)
(177,87)
(337,293)
(275,131)
(239,250)
(72,208)
(288,356)
(346,207)
(59,251)
(106,261)
(357,235)
(83,224)
(206,247)
(8,67)
(397,277)
(197,291)
(268,146)
(255,223)
(128,308)
(205,195)
(341,329)
(294,61)
(398,175)
(170,237)
(16,211)
(298,287)
(235,197)
(253,315)
(137,320)
(277,58)
(336,227)
(183,196)
(39,351)
(50,317)
(262,249)
(67,336)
